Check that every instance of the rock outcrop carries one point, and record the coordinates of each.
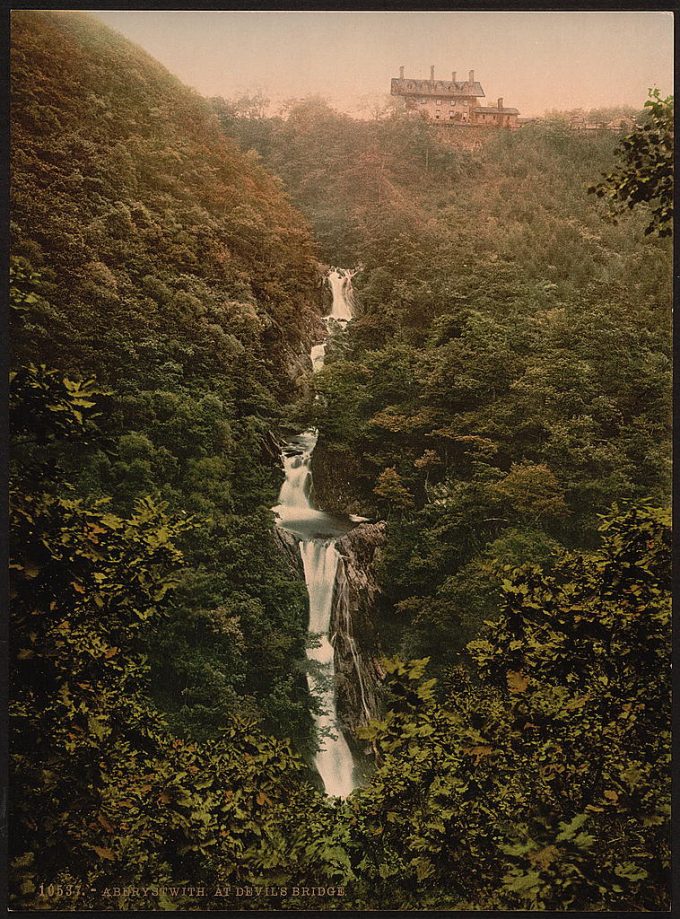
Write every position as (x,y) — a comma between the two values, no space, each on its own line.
(290,546)
(297,360)
(334,472)
(359,695)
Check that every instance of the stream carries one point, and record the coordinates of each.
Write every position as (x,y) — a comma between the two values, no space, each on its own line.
(317,533)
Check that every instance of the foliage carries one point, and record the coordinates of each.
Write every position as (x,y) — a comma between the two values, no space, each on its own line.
(509,366)
(390,489)
(645,175)
(149,251)
(48,411)
(101,788)
(541,781)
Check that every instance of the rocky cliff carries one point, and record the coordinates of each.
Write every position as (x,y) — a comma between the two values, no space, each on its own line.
(355,600)
(334,472)
(298,362)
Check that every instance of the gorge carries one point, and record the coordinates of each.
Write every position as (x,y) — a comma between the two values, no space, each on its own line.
(316,534)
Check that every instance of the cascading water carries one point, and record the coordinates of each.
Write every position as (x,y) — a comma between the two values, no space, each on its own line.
(340,280)
(317,533)
(334,759)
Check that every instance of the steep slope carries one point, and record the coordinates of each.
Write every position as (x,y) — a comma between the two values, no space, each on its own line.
(145,218)
(150,252)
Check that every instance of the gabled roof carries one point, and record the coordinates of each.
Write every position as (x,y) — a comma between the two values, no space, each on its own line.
(492,110)
(435,88)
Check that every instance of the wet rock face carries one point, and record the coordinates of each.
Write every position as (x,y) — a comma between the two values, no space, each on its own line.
(359,691)
(297,361)
(296,358)
(335,474)
(290,547)
(298,368)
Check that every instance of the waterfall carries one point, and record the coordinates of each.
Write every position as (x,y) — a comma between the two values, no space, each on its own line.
(340,280)
(334,759)
(317,533)
(295,492)
(317,356)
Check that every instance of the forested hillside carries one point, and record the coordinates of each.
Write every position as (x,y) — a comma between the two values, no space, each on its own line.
(502,400)
(508,377)
(153,254)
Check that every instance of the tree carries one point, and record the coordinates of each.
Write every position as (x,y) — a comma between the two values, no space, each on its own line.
(179,271)
(542,781)
(101,788)
(391,490)
(84,584)
(645,175)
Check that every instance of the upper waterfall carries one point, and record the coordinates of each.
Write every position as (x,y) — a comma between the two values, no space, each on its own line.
(340,281)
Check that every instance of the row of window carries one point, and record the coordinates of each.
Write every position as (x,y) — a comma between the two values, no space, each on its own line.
(439,102)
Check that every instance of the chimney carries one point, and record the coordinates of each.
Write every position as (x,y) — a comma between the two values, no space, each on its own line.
(453,76)
(432,73)
(471,77)
(401,73)
(500,102)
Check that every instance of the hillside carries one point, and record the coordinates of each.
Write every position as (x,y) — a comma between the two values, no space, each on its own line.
(150,252)
(153,220)
(507,379)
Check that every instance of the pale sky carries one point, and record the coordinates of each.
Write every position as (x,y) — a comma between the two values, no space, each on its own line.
(534,60)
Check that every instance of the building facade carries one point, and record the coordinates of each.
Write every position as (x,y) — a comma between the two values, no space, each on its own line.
(452,102)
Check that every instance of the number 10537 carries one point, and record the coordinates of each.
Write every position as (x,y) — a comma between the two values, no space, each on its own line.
(59,890)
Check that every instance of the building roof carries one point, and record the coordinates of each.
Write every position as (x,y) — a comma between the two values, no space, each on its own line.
(435,88)
(492,110)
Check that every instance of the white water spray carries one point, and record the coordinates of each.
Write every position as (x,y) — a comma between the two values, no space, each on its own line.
(340,280)
(317,533)
(317,355)
(334,759)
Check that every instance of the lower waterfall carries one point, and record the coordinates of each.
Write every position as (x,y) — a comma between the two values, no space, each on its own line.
(317,533)
(334,760)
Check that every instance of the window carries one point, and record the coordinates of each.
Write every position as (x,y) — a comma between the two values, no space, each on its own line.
(439,101)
